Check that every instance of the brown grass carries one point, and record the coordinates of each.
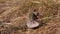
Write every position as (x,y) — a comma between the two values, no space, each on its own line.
(12,11)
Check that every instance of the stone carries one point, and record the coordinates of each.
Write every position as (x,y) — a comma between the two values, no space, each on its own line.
(32,24)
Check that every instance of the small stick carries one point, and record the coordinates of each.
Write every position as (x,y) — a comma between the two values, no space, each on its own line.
(48,17)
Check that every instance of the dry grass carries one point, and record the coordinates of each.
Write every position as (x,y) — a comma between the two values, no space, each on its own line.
(12,11)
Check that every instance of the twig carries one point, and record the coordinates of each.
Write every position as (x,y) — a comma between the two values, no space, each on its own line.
(49,17)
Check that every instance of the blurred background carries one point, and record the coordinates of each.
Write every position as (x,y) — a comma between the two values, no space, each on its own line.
(13,11)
